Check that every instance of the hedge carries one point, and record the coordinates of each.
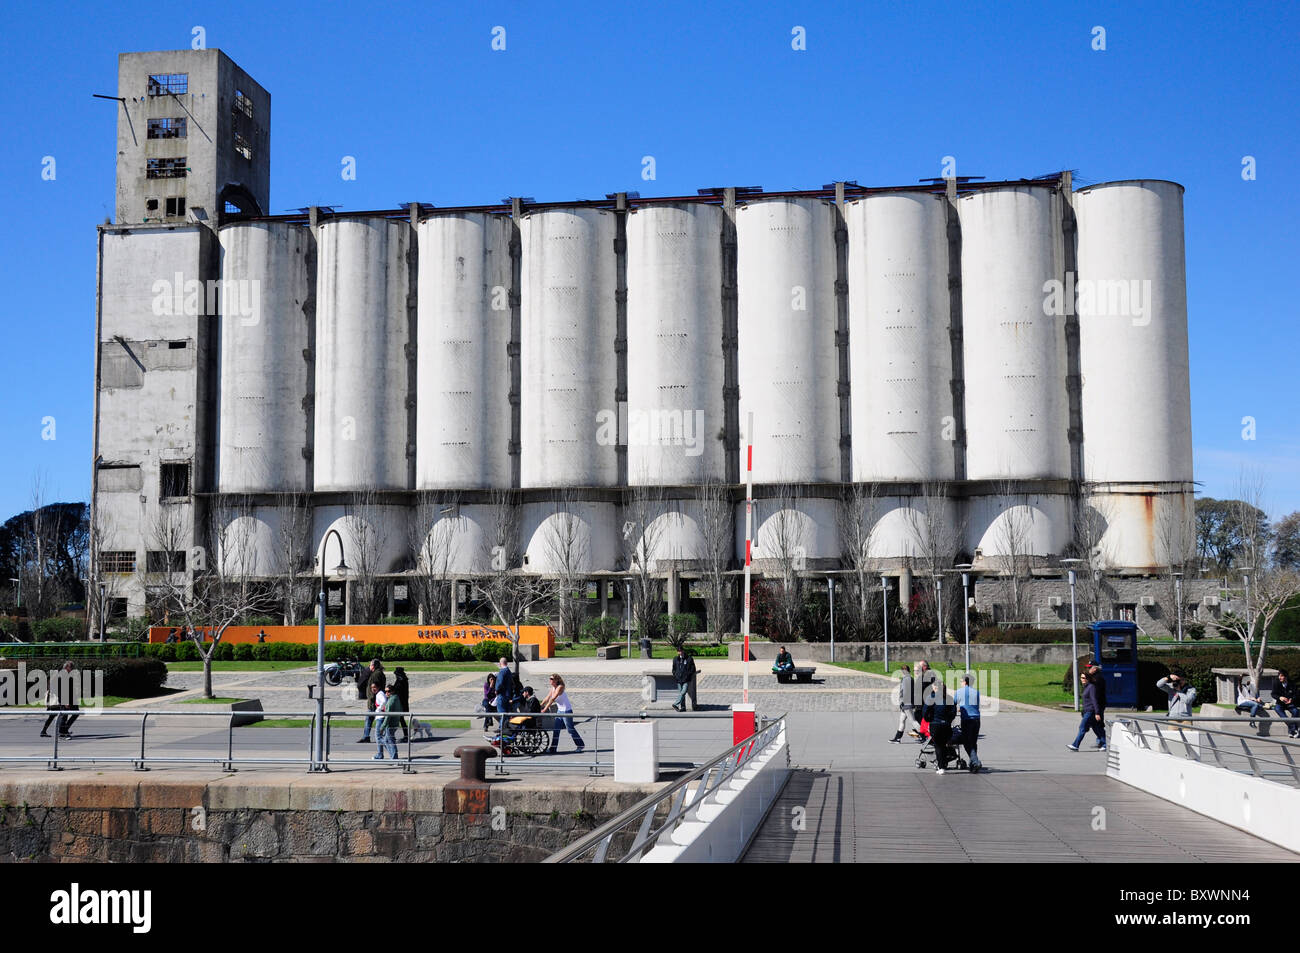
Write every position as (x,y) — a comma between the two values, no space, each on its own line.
(601,631)
(127,677)
(993,635)
(58,629)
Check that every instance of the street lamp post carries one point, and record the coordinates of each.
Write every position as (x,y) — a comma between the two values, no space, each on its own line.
(1178,602)
(318,740)
(103,589)
(965,604)
(884,612)
(830,588)
(1074,638)
(938,598)
(627,606)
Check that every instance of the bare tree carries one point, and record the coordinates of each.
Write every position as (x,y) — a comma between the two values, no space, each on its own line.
(716,517)
(1089,522)
(642,532)
(208,586)
(1176,536)
(292,548)
(1013,539)
(511,593)
(369,531)
(936,536)
(856,516)
(1274,590)
(431,539)
(1251,518)
(568,548)
(109,584)
(784,551)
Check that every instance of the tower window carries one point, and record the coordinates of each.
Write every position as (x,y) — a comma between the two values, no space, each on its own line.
(164,560)
(116,561)
(243,104)
(175,480)
(151,204)
(163,84)
(242,147)
(166,168)
(176,207)
(167,128)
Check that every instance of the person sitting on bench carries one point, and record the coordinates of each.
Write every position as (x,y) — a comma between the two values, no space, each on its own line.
(784,663)
(1248,700)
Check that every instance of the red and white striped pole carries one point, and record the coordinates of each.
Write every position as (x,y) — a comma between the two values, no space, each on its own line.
(749,536)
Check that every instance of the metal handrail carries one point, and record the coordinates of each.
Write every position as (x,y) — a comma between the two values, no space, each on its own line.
(711,776)
(1165,730)
(141,760)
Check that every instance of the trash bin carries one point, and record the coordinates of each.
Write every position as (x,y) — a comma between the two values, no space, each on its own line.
(645,647)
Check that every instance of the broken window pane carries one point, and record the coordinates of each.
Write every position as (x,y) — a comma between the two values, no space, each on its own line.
(163,84)
(167,168)
(167,128)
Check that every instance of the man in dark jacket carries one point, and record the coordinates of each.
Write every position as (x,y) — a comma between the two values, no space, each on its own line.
(505,687)
(683,675)
(375,683)
(1284,696)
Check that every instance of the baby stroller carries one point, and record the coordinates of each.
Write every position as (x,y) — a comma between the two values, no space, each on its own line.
(942,744)
(524,734)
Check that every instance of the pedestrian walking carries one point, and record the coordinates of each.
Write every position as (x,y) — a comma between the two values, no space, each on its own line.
(489,698)
(505,687)
(903,700)
(564,718)
(683,674)
(402,686)
(386,701)
(63,695)
(1094,710)
(374,684)
(967,700)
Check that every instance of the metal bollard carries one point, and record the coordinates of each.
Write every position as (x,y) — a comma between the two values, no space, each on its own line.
(468,794)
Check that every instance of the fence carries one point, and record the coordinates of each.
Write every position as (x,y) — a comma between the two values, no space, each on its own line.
(158,737)
(659,815)
(1193,739)
(21,650)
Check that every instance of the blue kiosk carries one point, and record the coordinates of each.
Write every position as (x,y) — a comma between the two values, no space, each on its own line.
(1114,646)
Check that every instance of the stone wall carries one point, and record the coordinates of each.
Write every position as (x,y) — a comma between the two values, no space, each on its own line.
(188,816)
(910,652)
(1099,600)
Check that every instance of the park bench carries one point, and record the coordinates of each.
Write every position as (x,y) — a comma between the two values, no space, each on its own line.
(609,651)
(801,673)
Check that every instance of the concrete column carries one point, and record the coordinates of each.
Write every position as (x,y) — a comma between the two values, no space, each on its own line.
(674,592)
(347,602)
(391,589)
(905,589)
(455,599)
(419,614)
(604,598)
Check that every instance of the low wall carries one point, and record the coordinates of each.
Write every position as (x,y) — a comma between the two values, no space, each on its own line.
(909,653)
(189,816)
(1264,808)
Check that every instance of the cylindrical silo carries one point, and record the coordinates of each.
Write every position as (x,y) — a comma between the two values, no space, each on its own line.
(802,531)
(362,329)
(568,414)
(1014,353)
(675,364)
(268,275)
(1006,529)
(1136,401)
(463,415)
(569,538)
(788,366)
(375,538)
(900,354)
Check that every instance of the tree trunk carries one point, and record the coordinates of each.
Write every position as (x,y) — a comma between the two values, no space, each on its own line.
(207,674)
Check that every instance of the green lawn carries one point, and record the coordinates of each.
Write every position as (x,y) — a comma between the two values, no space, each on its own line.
(237,666)
(1027,683)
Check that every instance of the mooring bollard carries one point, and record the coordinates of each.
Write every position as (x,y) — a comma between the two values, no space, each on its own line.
(473,761)
(468,794)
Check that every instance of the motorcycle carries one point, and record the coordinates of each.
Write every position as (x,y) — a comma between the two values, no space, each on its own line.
(335,672)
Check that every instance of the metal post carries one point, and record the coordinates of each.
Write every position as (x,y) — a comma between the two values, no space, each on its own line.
(830,587)
(318,755)
(627,605)
(102,590)
(938,597)
(884,612)
(749,539)
(965,604)
(1074,646)
(1178,599)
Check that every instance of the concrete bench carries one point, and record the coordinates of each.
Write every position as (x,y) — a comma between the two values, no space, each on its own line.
(801,673)
(609,651)
(652,683)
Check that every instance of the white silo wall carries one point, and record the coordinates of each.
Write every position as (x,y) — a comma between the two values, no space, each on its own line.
(1014,354)
(375,537)
(567,364)
(900,355)
(463,413)
(1132,288)
(460,540)
(1018,525)
(788,366)
(805,531)
(675,364)
(902,527)
(1143,526)
(249,543)
(674,534)
(362,329)
(582,535)
(262,424)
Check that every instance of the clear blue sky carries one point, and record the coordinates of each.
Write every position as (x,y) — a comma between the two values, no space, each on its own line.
(716,94)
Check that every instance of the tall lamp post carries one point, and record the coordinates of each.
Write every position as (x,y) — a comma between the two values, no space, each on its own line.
(884,612)
(830,588)
(1074,638)
(318,740)
(938,599)
(1178,602)
(103,590)
(627,605)
(965,606)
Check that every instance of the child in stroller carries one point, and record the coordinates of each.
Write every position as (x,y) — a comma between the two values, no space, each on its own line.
(942,740)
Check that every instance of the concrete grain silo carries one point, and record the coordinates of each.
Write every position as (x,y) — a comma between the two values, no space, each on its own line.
(1132,306)
(363,317)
